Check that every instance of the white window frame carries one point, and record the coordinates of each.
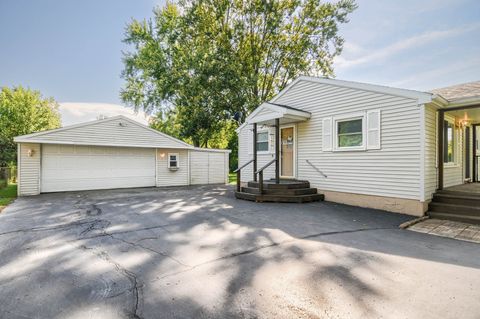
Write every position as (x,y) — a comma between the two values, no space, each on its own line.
(268,141)
(350,117)
(177,160)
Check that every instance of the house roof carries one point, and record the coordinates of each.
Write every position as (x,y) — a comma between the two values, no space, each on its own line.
(459,91)
(422,97)
(113,131)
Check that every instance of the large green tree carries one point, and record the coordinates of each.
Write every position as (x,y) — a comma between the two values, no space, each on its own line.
(23,111)
(199,61)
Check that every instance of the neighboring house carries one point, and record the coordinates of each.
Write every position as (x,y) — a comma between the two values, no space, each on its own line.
(115,152)
(367,145)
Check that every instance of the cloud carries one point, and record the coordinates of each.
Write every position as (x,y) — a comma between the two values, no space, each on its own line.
(73,112)
(366,56)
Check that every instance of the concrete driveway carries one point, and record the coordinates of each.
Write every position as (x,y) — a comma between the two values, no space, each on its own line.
(199,253)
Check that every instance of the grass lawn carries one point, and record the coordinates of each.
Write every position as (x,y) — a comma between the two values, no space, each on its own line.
(7,195)
(232,178)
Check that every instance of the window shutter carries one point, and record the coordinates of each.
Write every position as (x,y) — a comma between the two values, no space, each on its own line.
(327,134)
(373,130)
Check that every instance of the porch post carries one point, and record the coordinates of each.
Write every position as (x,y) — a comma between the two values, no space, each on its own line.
(277,151)
(254,151)
(440,146)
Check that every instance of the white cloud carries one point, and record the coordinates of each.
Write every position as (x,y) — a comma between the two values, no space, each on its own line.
(363,56)
(73,113)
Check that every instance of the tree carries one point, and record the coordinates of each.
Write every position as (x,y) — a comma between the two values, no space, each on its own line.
(23,111)
(206,59)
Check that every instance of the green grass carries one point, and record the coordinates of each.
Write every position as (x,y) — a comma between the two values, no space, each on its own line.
(8,194)
(232,178)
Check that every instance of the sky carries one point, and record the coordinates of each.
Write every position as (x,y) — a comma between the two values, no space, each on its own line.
(72,50)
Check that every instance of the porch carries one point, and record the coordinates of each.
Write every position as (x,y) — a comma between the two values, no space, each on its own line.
(283,187)
(458,158)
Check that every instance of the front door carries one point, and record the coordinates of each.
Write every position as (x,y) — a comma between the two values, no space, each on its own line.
(287,151)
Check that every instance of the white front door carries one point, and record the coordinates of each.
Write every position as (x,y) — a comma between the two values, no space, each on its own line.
(287,151)
(75,167)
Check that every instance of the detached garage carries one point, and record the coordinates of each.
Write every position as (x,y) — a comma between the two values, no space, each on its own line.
(115,152)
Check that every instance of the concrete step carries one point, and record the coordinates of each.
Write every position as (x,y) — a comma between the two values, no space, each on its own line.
(468,210)
(457,198)
(280,198)
(274,191)
(455,217)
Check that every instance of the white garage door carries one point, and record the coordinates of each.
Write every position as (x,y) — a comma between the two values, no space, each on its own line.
(73,167)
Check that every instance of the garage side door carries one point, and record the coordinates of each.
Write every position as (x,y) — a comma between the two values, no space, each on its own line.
(207,168)
(73,167)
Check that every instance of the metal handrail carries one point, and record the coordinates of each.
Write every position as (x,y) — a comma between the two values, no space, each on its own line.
(315,168)
(238,172)
(260,175)
(265,166)
(238,169)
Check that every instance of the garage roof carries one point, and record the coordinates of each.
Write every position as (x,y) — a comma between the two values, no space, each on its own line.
(113,131)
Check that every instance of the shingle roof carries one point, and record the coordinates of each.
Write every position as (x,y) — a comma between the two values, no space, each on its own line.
(459,91)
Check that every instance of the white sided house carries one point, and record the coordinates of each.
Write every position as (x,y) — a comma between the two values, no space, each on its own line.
(367,145)
(116,152)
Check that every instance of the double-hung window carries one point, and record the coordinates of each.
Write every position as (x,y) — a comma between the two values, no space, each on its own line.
(173,160)
(349,132)
(262,141)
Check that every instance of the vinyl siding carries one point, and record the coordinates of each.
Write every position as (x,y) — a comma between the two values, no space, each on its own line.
(110,133)
(208,167)
(391,171)
(167,177)
(245,153)
(29,169)
(430,151)
(453,173)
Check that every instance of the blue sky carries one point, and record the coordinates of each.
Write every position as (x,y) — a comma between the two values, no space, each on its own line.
(71,50)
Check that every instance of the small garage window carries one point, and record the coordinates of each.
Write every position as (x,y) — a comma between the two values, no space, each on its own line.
(172,160)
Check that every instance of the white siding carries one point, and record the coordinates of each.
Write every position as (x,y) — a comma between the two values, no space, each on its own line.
(29,169)
(390,171)
(208,167)
(430,151)
(111,132)
(167,177)
(245,153)
(453,173)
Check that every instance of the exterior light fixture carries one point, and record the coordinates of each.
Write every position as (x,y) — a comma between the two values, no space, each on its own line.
(30,152)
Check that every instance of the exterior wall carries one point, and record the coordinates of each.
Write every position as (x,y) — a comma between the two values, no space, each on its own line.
(245,153)
(392,171)
(208,167)
(28,169)
(396,205)
(453,173)
(166,177)
(110,132)
(430,157)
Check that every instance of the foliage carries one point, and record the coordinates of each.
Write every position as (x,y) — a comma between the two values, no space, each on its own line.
(200,61)
(232,178)
(8,194)
(23,111)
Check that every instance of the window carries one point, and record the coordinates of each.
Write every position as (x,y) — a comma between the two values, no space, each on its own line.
(262,141)
(350,133)
(172,160)
(449,142)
